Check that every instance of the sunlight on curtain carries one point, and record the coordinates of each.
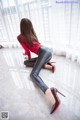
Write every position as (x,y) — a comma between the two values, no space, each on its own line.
(54,23)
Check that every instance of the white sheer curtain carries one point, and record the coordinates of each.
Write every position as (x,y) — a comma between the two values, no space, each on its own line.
(55,23)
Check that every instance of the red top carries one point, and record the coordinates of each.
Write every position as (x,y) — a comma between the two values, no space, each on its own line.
(27,47)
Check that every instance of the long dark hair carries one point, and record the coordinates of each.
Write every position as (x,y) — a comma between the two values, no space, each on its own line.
(27,30)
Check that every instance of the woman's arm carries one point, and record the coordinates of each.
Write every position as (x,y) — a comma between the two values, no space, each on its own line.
(27,51)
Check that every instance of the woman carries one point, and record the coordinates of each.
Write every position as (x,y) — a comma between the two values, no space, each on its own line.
(30,43)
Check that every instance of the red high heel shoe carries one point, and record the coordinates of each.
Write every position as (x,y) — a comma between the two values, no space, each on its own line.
(53,66)
(58,102)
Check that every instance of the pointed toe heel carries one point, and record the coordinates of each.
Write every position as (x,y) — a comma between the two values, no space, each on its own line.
(55,107)
(57,100)
(53,68)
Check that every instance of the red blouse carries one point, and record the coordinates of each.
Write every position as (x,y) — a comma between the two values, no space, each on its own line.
(27,47)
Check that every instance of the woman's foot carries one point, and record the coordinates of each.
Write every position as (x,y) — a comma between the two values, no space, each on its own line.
(51,93)
(54,99)
(50,96)
(50,67)
(57,103)
(53,66)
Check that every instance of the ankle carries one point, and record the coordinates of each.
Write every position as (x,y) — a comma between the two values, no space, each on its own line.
(47,91)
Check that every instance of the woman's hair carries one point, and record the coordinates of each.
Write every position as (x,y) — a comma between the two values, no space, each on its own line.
(27,30)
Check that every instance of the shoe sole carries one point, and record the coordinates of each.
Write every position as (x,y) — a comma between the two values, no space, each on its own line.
(58,107)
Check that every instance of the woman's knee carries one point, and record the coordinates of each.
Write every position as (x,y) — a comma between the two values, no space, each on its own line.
(27,63)
(33,75)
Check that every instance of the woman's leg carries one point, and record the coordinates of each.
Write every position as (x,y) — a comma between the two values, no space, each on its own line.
(44,56)
(31,62)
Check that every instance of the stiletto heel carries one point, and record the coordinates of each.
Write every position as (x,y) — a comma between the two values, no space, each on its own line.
(57,103)
(52,62)
(60,93)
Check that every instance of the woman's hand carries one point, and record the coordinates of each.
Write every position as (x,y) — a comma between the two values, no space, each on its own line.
(25,56)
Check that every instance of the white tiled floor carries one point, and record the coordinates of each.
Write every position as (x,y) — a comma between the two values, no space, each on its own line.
(25,101)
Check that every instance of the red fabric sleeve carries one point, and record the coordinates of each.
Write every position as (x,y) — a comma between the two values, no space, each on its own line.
(27,51)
